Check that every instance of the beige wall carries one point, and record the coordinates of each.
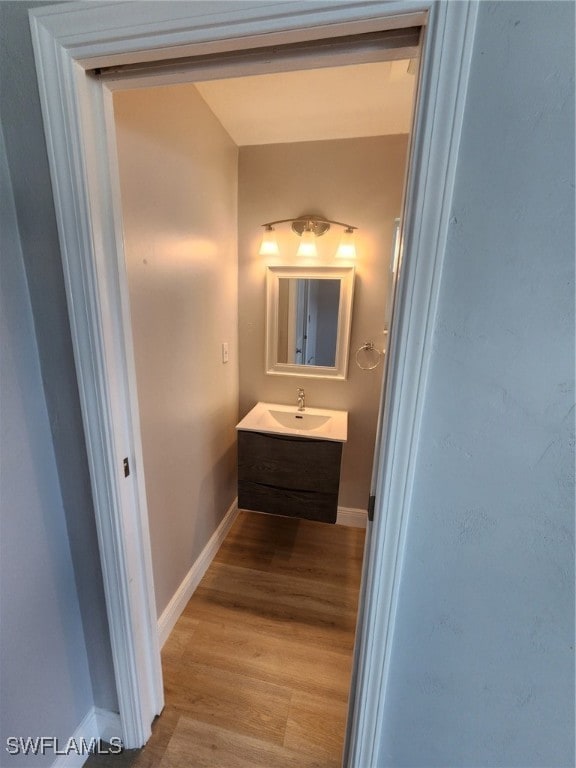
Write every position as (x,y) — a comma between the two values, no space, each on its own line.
(179,198)
(358,181)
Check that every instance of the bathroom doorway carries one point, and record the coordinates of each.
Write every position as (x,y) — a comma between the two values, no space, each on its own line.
(80,39)
(200,168)
(198,174)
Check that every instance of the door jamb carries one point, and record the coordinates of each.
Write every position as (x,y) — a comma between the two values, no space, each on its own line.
(70,38)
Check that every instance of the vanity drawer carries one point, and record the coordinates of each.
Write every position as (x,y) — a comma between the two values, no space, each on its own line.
(289,462)
(310,505)
(287,475)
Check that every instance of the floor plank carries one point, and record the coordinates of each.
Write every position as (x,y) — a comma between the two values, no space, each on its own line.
(274,603)
(226,698)
(205,746)
(257,668)
(266,658)
(315,725)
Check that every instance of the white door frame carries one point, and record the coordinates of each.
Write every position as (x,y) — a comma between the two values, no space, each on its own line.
(73,37)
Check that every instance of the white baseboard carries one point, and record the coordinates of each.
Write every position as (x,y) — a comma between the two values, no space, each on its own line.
(109,725)
(97,724)
(355,518)
(173,610)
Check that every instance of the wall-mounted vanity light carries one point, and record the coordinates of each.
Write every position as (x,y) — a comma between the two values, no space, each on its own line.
(269,245)
(309,228)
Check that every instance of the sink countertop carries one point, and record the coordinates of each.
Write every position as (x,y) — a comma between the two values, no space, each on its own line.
(313,423)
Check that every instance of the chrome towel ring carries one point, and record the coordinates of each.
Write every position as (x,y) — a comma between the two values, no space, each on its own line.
(369,355)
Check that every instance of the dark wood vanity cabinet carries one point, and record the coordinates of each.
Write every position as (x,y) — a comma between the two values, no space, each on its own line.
(286,475)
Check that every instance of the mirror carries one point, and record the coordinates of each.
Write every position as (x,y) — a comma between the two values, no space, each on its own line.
(308,321)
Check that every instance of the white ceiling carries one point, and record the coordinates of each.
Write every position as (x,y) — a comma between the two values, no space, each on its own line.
(311,105)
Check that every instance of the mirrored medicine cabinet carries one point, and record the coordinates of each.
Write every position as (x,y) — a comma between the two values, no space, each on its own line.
(308,319)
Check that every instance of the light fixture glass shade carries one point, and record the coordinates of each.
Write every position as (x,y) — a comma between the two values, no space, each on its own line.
(347,248)
(307,245)
(269,245)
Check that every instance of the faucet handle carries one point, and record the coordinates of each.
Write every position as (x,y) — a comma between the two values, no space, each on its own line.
(300,391)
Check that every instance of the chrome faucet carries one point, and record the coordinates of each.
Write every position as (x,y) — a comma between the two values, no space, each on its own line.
(301,404)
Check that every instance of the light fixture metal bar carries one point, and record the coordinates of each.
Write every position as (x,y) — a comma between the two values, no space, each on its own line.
(313,219)
(279,221)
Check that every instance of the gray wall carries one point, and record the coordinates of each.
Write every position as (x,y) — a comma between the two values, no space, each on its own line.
(483,660)
(45,683)
(28,169)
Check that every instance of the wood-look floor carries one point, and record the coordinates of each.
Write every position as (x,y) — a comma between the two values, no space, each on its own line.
(257,668)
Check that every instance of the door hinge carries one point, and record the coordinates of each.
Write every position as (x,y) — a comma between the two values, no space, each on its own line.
(126,466)
(371,504)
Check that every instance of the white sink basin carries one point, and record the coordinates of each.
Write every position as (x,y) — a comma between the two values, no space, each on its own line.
(299,420)
(315,423)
